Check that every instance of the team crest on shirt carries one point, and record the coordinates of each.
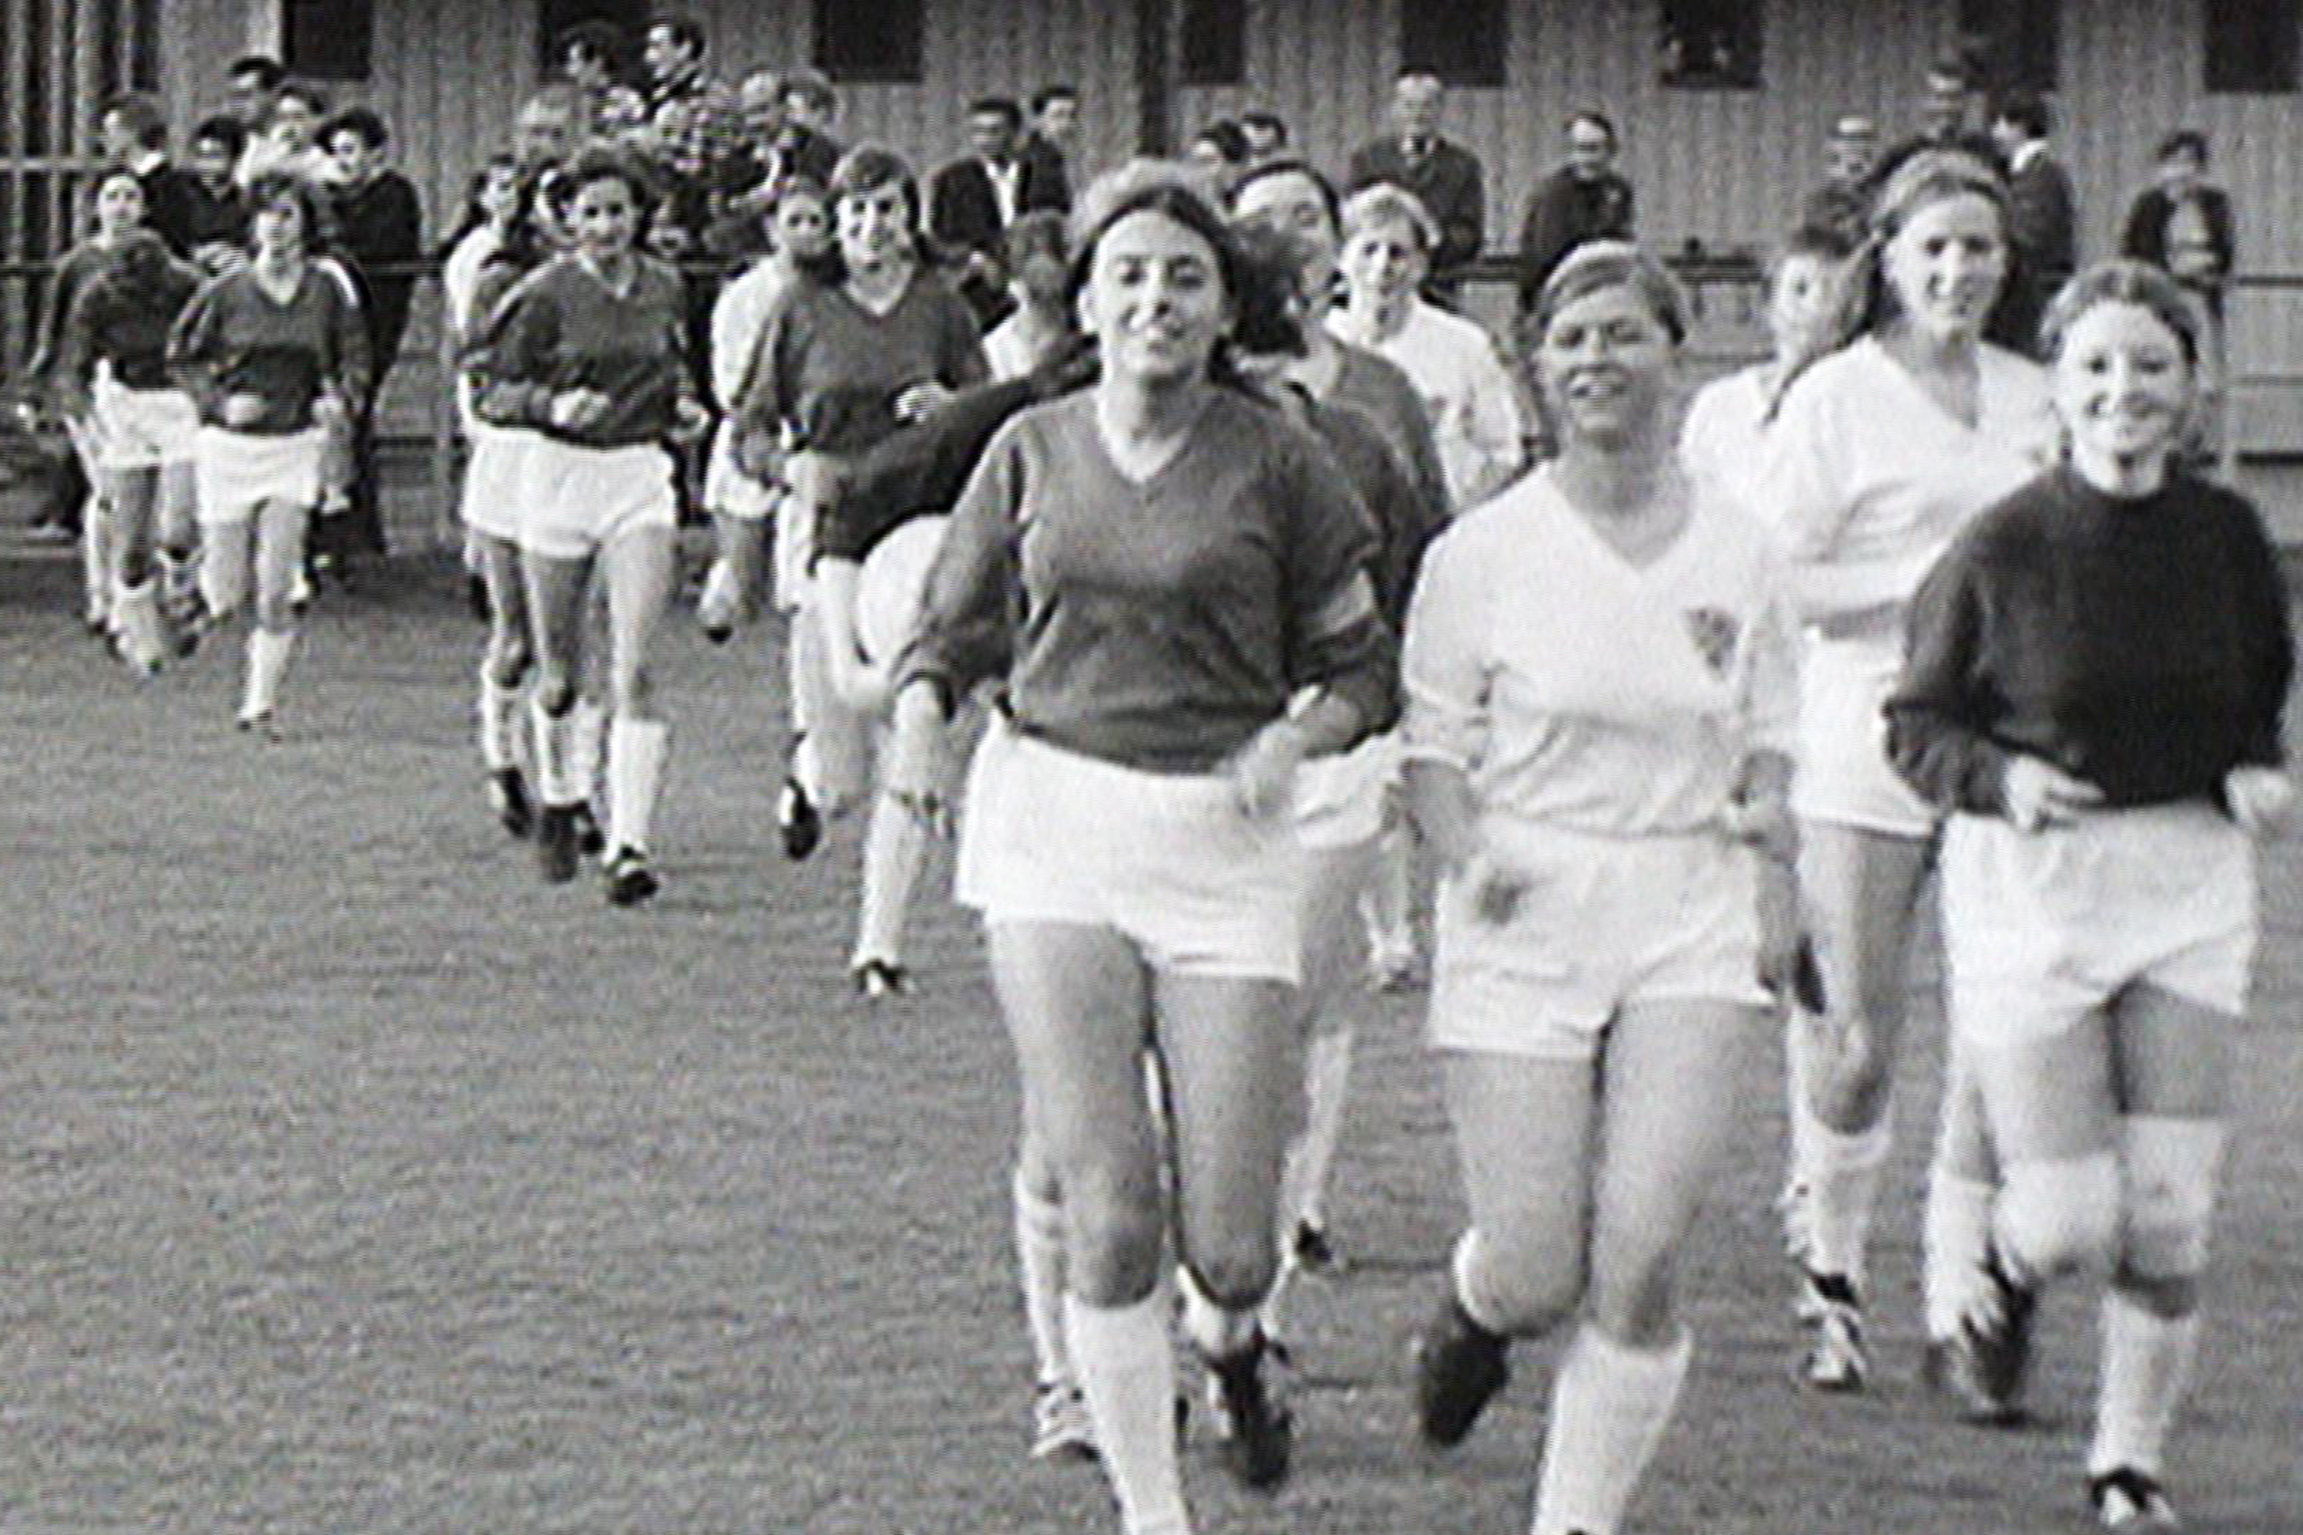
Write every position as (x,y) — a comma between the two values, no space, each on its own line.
(1714,632)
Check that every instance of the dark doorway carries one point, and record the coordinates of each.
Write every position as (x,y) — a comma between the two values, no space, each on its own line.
(555,17)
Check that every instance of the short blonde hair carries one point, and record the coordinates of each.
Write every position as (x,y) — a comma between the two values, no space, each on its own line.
(1386,205)
(1597,265)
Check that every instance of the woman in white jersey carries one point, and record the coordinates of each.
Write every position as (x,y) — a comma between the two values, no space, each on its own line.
(799,221)
(1388,237)
(1904,428)
(1601,692)
(1722,439)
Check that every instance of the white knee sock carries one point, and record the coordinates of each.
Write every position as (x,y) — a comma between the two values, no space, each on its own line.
(588,728)
(1799,1115)
(1956,1239)
(1040,1264)
(1127,1371)
(499,720)
(1842,1187)
(1609,1409)
(895,852)
(556,778)
(1216,1330)
(136,617)
(636,752)
(96,557)
(2146,1368)
(268,652)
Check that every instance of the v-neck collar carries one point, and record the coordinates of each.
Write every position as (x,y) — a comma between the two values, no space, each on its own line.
(1909,382)
(1648,572)
(1186,441)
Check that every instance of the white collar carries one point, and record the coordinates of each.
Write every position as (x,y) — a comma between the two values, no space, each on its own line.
(2026,153)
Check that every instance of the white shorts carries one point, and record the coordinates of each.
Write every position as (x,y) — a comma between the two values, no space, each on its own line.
(728,491)
(2040,929)
(143,428)
(581,500)
(1606,922)
(1345,800)
(1165,859)
(1843,777)
(236,472)
(795,553)
(498,480)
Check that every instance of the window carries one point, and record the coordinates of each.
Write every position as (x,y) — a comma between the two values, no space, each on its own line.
(875,40)
(1214,48)
(2018,42)
(2251,47)
(327,39)
(1461,41)
(1710,44)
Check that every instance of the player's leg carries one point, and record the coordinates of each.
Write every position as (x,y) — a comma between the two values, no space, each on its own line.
(638,566)
(280,528)
(1077,1004)
(1670,1101)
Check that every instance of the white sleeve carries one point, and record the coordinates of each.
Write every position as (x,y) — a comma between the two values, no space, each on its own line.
(737,317)
(1805,472)
(1446,675)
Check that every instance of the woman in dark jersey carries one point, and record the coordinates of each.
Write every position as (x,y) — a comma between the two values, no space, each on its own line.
(1157,566)
(2092,689)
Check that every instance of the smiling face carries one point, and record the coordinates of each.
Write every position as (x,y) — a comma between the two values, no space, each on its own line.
(1945,264)
(1415,106)
(2123,385)
(1154,299)
(874,227)
(991,135)
(119,206)
(1590,149)
(294,121)
(1291,203)
(1383,261)
(605,218)
(1605,365)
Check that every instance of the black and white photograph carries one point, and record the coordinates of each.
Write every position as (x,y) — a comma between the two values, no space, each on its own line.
(1150,767)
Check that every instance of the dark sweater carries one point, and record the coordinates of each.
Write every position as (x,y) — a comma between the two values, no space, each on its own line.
(563,328)
(234,338)
(123,316)
(380,232)
(2142,645)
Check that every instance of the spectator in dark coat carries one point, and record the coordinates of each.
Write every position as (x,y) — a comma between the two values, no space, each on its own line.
(2043,220)
(1585,199)
(1946,119)
(973,200)
(1842,203)
(1048,147)
(1444,176)
(2181,223)
(135,134)
(379,231)
(217,231)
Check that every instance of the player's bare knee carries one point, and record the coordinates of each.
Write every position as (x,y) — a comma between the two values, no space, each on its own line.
(1117,1235)
(2168,1169)
(1235,1274)
(1632,1302)
(1526,1289)
(2059,1217)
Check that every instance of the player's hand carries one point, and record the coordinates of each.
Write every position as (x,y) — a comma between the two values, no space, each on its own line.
(690,420)
(1766,824)
(1263,772)
(916,402)
(242,409)
(2037,794)
(2262,799)
(572,410)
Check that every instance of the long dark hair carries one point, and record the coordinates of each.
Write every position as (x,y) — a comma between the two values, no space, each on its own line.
(1172,190)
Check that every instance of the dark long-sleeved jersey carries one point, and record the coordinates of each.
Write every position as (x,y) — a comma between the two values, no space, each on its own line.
(2142,645)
